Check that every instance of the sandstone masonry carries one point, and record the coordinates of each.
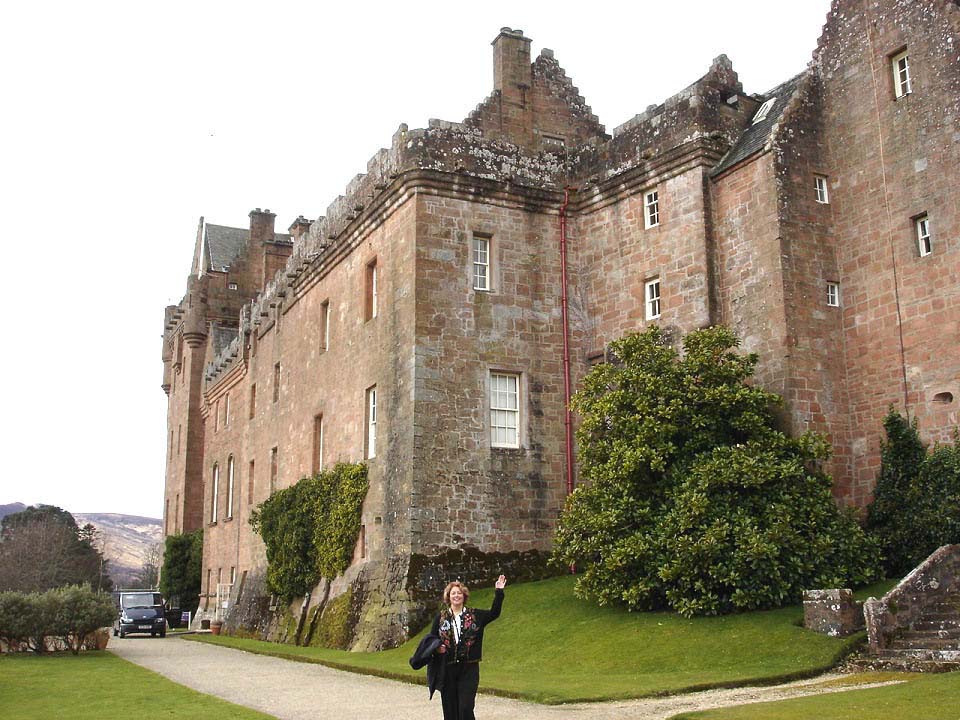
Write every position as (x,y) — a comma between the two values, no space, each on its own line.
(418,324)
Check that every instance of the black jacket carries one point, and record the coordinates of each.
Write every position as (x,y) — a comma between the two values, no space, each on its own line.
(426,655)
(470,647)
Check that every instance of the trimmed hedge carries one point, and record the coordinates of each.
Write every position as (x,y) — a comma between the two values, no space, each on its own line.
(68,616)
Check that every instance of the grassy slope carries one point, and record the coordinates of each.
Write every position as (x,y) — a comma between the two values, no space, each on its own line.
(100,686)
(550,647)
(931,697)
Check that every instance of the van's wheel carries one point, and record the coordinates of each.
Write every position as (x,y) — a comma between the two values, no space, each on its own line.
(122,633)
(153,634)
(163,633)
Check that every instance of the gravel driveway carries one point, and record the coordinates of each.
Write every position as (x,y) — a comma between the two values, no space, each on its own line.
(299,691)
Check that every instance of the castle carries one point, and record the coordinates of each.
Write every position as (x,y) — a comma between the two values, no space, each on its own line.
(433,322)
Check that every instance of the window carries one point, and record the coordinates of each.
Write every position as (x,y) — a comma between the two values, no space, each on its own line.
(370,291)
(273,470)
(253,401)
(371,412)
(324,325)
(820,184)
(504,410)
(276,382)
(231,286)
(764,110)
(230,487)
(216,416)
(902,84)
(233,575)
(250,486)
(924,243)
(481,263)
(179,428)
(226,410)
(651,292)
(552,141)
(214,493)
(317,444)
(833,294)
(651,209)
(362,541)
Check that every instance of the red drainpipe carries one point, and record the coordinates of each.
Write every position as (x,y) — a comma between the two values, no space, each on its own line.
(566,338)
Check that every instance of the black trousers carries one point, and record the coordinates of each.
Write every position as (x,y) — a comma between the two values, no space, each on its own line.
(459,691)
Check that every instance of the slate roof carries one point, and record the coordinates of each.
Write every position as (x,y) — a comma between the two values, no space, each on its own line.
(756,135)
(224,244)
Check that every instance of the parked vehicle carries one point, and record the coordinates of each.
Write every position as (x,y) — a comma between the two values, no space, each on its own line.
(139,611)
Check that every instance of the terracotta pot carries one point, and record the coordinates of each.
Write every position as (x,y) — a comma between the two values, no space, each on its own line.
(215,626)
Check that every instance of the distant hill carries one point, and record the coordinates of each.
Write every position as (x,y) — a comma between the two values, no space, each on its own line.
(127,539)
(11,509)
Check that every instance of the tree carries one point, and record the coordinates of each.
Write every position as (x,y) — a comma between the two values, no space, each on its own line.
(693,499)
(916,501)
(42,548)
(181,574)
(148,576)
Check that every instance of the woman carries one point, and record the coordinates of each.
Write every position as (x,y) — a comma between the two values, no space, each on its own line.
(460,630)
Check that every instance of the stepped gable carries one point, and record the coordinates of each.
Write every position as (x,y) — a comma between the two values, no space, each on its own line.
(712,110)
(759,135)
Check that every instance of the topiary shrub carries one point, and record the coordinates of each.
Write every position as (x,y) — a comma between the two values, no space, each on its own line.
(310,528)
(916,505)
(693,499)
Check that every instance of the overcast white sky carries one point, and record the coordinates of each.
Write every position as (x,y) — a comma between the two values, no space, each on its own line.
(123,122)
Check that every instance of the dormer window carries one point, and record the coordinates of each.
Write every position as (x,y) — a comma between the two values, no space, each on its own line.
(764,110)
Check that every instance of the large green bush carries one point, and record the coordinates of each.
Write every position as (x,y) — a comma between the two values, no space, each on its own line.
(67,615)
(80,612)
(916,506)
(180,576)
(693,500)
(310,528)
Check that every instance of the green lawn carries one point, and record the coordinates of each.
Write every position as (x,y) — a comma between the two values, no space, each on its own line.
(100,686)
(550,647)
(928,697)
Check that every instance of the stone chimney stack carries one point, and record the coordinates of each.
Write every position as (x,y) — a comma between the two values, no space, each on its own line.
(261,233)
(299,227)
(261,226)
(512,76)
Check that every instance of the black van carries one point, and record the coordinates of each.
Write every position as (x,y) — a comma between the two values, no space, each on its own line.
(140,611)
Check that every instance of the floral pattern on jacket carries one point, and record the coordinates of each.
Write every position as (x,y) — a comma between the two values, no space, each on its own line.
(468,633)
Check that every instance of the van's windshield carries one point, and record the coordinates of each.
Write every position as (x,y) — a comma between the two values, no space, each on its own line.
(140,600)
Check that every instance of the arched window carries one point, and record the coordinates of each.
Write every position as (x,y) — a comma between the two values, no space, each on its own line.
(230,487)
(214,493)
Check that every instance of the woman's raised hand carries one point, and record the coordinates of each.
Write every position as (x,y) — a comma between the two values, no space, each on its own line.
(501,582)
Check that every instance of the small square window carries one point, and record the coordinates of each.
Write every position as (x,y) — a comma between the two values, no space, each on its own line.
(232,286)
(820,184)
(652,294)
(504,410)
(833,294)
(481,263)
(924,243)
(902,84)
(651,209)
(764,110)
